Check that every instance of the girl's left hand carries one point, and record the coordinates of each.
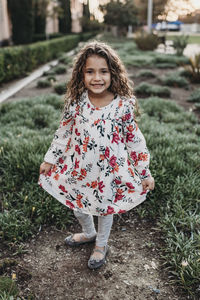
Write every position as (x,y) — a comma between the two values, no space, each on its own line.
(148,183)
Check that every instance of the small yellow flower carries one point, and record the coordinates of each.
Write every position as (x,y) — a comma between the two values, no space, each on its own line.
(26,197)
(33,208)
(14,276)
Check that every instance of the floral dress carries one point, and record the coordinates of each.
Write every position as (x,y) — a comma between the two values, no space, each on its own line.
(99,158)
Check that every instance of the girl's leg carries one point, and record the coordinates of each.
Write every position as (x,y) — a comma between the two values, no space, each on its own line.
(87,224)
(104,228)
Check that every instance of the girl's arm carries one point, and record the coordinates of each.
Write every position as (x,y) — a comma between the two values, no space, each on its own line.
(135,142)
(60,140)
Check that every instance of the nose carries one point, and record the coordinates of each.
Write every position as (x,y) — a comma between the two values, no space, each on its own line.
(97,76)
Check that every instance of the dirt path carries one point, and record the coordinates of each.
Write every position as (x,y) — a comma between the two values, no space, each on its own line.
(133,271)
(51,271)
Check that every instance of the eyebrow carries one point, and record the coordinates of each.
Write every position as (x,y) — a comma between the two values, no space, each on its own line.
(89,68)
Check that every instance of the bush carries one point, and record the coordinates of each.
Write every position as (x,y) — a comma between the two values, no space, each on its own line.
(43,83)
(175,80)
(60,88)
(145,90)
(60,69)
(146,74)
(195,96)
(170,59)
(146,41)
(180,43)
(17,61)
(193,68)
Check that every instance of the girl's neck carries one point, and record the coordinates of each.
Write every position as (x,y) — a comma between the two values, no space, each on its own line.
(100,100)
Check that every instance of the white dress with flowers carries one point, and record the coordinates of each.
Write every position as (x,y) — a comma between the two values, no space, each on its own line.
(99,158)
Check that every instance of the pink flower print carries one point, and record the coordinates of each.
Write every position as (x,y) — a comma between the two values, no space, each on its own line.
(76,163)
(115,138)
(76,131)
(113,161)
(121,211)
(117,181)
(126,117)
(49,173)
(110,210)
(133,155)
(130,185)
(128,162)
(129,137)
(77,149)
(107,152)
(62,188)
(101,186)
(122,140)
(69,204)
(63,169)
(88,105)
(61,161)
(118,197)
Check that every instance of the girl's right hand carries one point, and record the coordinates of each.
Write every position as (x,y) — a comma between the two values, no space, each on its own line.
(45,168)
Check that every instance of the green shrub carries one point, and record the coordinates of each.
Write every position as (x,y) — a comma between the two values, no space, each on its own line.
(195,96)
(60,88)
(43,83)
(170,59)
(146,41)
(146,74)
(60,69)
(145,90)
(65,59)
(180,43)
(165,65)
(175,80)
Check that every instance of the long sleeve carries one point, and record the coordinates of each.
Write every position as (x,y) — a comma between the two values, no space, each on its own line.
(135,141)
(61,139)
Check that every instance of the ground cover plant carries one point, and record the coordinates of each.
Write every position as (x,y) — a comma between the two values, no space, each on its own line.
(172,136)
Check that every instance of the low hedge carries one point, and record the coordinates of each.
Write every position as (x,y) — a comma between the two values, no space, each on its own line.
(17,61)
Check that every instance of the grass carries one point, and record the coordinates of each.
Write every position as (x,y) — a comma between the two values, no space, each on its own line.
(145,89)
(175,80)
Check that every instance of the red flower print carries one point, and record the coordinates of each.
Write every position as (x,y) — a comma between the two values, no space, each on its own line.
(101,186)
(74,173)
(130,128)
(63,169)
(61,161)
(115,138)
(143,172)
(107,152)
(121,211)
(110,210)
(133,155)
(62,188)
(88,105)
(118,197)
(144,192)
(129,137)
(117,181)
(129,185)
(131,171)
(56,177)
(69,204)
(49,173)
(76,131)
(83,172)
(78,200)
(77,163)
(128,162)
(127,116)
(77,149)
(68,145)
(113,161)
(94,184)
(102,157)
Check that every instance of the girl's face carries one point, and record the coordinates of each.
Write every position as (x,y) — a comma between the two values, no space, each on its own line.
(97,76)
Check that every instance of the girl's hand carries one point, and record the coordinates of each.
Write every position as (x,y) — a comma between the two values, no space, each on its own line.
(45,168)
(148,183)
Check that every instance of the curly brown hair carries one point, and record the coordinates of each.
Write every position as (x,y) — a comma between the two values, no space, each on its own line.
(119,79)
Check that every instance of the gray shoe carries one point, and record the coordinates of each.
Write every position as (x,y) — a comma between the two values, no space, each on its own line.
(71,242)
(95,263)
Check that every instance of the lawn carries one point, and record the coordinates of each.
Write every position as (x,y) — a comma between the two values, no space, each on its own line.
(172,135)
(193,39)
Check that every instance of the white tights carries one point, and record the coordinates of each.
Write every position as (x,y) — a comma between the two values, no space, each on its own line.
(88,228)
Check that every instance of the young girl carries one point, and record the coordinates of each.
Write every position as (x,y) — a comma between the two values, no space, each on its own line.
(98,162)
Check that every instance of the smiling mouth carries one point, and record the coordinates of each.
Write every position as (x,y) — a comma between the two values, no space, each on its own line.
(97,85)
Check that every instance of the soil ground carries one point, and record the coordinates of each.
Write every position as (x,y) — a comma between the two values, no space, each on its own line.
(49,270)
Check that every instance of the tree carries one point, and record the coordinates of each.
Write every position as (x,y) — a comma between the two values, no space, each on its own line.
(65,18)
(21,12)
(158,9)
(40,14)
(120,14)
